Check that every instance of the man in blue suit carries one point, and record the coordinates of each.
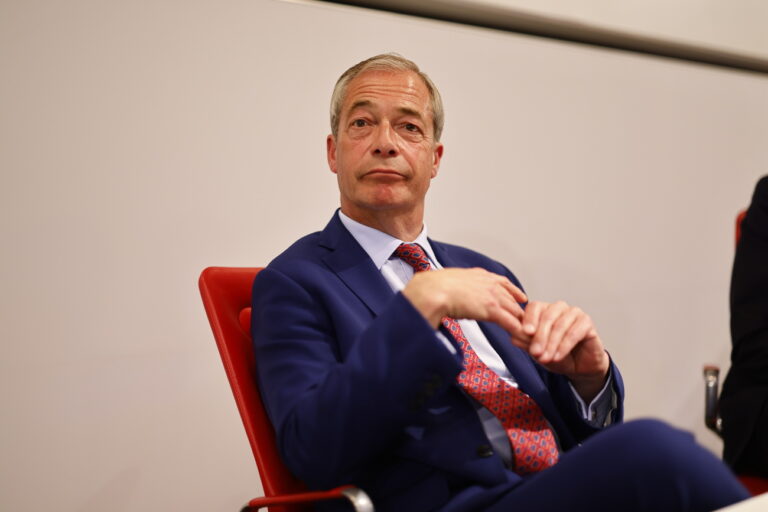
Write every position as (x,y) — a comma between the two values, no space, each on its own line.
(369,379)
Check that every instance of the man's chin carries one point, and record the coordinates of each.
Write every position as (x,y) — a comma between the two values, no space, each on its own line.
(379,204)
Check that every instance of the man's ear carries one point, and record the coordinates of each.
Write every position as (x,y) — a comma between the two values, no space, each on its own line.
(437,156)
(330,147)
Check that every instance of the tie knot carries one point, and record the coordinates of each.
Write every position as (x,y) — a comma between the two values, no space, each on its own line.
(413,255)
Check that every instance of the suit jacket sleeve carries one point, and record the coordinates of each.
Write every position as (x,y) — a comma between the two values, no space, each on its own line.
(749,293)
(335,407)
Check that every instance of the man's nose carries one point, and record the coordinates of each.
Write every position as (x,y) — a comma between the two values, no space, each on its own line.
(384,144)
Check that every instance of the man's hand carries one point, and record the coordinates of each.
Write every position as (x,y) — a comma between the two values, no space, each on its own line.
(472,293)
(563,339)
(560,337)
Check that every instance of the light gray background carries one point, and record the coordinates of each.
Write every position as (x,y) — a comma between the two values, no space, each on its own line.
(143,141)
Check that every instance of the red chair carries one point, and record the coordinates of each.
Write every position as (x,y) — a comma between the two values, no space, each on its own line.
(226,294)
(755,485)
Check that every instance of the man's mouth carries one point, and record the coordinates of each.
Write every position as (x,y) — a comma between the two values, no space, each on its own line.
(377,173)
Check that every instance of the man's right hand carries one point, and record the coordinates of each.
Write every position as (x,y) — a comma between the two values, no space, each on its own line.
(472,293)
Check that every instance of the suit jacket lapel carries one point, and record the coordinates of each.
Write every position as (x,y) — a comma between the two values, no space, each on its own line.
(520,365)
(353,266)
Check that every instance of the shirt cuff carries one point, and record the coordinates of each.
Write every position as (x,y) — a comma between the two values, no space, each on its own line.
(598,413)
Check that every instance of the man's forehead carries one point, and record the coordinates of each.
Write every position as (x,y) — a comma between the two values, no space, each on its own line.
(404,87)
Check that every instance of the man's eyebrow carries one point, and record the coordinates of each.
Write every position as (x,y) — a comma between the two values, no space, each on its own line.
(403,110)
(360,103)
(411,112)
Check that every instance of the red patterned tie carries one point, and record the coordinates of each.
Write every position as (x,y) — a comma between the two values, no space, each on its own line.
(532,439)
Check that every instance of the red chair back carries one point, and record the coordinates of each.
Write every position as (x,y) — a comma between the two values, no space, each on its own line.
(226,294)
(739,220)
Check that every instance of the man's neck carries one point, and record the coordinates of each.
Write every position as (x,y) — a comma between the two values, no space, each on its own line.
(405,227)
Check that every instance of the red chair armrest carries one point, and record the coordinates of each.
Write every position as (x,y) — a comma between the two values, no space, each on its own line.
(357,497)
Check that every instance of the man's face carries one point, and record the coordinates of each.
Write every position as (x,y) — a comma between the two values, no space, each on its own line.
(384,154)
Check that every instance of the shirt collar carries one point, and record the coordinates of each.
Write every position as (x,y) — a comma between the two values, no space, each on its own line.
(380,245)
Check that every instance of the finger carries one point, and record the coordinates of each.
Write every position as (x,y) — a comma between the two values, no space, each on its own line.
(560,328)
(509,304)
(532,316)
(516,292)
(578,332)
(509,323)
(543,330)
(521,342)
(519,337)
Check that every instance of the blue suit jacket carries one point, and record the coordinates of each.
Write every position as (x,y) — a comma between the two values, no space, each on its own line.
(360,391)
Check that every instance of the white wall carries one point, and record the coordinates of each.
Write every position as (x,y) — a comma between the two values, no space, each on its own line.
(140,143)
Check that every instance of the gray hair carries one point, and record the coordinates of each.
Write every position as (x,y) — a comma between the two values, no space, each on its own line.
(386,62)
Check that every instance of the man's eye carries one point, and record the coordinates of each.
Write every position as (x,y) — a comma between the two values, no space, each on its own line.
(359,123)
(411,127)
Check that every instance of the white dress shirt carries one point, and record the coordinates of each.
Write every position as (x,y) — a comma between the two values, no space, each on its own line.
(380,247)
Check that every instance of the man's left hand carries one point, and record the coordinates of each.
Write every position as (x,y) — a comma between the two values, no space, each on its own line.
(563,339)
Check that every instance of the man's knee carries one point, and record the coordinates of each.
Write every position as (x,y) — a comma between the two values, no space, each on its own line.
(656,433)
(663,453)
(667,462)
(652,446)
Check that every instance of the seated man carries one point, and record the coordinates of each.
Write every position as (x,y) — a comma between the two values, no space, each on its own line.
(421,372)
(744,402)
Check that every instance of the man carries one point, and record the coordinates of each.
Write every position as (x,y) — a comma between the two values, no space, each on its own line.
(744,403)
(370,380)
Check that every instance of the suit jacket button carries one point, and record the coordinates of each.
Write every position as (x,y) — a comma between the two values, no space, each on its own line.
(484,451)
